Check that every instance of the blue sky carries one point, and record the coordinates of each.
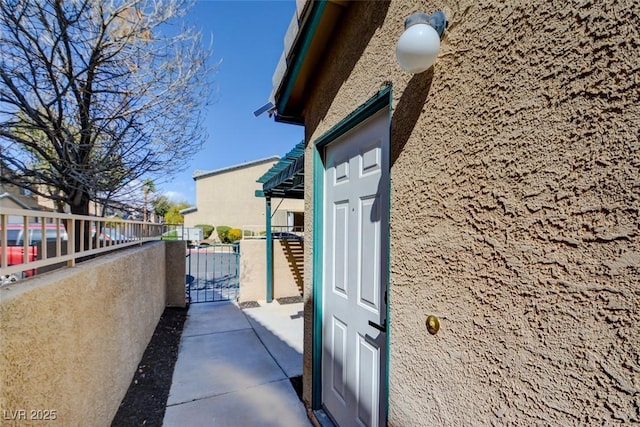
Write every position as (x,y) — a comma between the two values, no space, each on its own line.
(248,39)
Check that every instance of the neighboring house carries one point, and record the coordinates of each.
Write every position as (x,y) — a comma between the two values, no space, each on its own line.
(123,211)
(13,197)
(498,192)
(112,209)
(227,197)
(17,201)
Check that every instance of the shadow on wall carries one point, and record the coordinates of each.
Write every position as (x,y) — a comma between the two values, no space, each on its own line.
(340,67)
(408,111)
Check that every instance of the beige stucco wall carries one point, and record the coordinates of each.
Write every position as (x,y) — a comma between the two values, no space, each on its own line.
(515,208)
(228,198)
(175,272)
(72,339)
(253,270)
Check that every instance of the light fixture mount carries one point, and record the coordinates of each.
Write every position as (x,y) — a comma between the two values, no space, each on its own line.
(437,20)
(419,45)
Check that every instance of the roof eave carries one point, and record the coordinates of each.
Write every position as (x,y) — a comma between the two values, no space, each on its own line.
(206,174)
(312,31)
(188,210)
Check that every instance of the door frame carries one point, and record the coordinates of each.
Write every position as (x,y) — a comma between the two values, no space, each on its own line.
(376,103)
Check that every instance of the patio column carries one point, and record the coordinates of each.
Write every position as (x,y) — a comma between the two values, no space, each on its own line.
(269,251)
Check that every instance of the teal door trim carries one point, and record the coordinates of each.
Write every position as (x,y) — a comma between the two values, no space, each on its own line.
(318,247)
(373,105)
(269,250)
(379,101)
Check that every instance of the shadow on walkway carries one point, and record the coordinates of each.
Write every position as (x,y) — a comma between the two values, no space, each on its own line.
(234,366)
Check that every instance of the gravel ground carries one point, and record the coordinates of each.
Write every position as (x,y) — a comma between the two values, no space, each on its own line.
(146,399)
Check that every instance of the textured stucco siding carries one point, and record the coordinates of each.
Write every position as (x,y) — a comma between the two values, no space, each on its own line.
(515,208)
(72,339)
(175,273)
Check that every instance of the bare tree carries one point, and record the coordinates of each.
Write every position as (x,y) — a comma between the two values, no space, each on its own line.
(95,94)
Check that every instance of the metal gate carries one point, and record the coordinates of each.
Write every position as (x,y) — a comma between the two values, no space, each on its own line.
(213,273)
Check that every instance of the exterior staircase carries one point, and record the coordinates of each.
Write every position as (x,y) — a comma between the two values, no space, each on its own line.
(294,251)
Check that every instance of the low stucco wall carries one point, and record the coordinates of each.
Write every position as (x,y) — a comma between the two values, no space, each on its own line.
(72,339)
(253,271)
(175,271)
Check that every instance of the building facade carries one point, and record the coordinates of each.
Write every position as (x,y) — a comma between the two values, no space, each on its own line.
(227,197)
(507,213)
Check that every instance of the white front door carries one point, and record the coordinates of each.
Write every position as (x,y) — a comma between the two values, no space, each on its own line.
(355,224)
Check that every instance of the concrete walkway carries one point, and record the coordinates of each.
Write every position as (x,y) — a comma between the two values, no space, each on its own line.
(234,366)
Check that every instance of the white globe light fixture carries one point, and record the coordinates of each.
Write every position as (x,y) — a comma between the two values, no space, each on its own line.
(419,45)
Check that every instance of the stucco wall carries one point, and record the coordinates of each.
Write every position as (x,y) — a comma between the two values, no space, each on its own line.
(515,208)
(72,339)
(253,271)
(175,272)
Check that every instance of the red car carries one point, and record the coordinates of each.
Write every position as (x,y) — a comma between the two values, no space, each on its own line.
(15,242)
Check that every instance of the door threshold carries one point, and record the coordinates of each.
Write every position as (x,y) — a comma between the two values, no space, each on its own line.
(323,419)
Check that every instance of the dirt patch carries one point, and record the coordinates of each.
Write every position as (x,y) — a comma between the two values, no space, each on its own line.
(146,399)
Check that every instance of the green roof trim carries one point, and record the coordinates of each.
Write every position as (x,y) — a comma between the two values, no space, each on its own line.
(300,51)
(374,104)
(285,179)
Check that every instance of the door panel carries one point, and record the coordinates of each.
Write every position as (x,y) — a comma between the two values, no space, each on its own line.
(339,255)
(369,255)
(368,381)
(339,351)
(355,264)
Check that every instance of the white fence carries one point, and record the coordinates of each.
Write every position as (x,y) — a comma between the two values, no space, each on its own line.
(31,240)
(278,231)
(180,232)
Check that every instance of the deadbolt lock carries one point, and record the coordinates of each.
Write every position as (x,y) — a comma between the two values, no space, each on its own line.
(433,324)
